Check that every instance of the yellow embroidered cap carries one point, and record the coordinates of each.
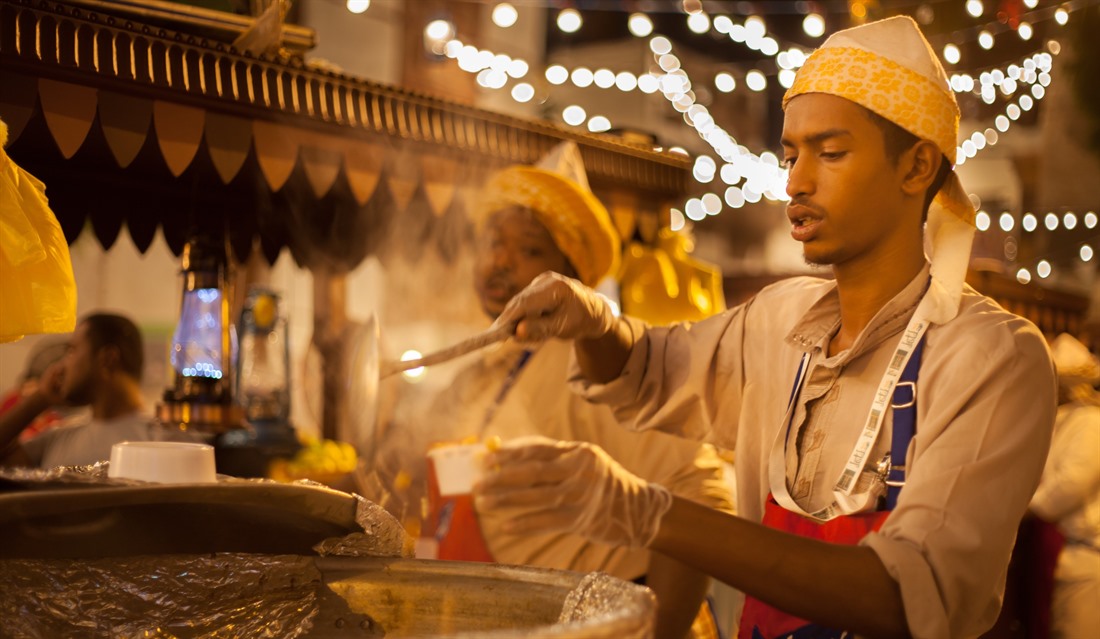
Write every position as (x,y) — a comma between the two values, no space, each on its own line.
(888,67)
(578,222)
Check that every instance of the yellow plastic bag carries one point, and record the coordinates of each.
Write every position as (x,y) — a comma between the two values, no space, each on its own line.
(37,290)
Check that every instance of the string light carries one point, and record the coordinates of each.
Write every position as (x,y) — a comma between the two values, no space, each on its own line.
(504,15)
(599,124)
(699,22)
(813,25)
(639,24)
(1033,72)
(951,54)
(523,92)
(981,221)
(755,80)
(974,8)
(724,82)
(358,6)
(573,115)
(768,179)
(1061,16)
(569,20)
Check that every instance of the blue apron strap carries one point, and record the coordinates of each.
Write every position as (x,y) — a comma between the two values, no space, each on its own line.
(904,406)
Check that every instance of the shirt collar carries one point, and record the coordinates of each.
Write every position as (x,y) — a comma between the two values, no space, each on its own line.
(822,319)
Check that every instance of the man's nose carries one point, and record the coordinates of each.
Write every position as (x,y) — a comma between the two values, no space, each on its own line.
(502,257)
(800,179)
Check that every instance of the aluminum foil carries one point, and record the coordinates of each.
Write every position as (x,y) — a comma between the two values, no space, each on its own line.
(94,474)
(600,597)
(382,536)
(226,596)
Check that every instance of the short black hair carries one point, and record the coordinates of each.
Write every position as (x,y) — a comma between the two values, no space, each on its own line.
(108,329)
(898,141)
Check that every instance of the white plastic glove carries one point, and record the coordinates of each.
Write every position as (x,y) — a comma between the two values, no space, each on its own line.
(554,305)
(571,487)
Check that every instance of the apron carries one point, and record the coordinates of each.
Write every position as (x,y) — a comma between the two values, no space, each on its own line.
(762,621)
(454,524)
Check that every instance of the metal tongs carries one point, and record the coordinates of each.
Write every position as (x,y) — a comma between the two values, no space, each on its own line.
(491,336)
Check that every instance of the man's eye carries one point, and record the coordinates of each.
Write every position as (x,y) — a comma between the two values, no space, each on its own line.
(789,162)
(833,155)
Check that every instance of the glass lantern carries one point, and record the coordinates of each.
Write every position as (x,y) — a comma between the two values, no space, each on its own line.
(263,380)
(200,394)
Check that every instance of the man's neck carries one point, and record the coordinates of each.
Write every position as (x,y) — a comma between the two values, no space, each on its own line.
(863,291)
(117,399)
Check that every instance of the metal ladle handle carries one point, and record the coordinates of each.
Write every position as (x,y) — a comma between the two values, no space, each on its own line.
(468,345)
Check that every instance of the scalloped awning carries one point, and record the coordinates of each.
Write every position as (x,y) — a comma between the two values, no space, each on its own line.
(130,125)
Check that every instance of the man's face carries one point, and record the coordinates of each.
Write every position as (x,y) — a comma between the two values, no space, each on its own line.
(514,248)
(78,362)
(845,191)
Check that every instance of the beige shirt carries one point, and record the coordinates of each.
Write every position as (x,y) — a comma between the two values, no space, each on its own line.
(86,441)
(539,402)
(1069,493)
(986,399)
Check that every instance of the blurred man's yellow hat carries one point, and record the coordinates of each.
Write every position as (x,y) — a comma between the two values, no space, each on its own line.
(557,192)
(889,68)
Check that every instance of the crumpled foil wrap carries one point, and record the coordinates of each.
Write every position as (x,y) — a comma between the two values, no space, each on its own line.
(602,597)
(383,535)
(163,596)
(94,474)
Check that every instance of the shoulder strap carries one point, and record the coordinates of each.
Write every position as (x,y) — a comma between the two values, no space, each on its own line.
(904,405)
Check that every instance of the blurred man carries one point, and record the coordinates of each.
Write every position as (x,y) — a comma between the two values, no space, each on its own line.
(102,370)
(890,426)
(535,220)
(1069,492)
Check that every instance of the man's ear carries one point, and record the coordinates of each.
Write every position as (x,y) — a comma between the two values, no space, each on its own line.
(922,162)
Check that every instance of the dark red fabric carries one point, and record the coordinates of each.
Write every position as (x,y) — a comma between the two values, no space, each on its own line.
(760,620)
(453,522)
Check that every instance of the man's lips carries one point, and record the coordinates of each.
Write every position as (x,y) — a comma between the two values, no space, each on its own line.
(805,222)
(498,290)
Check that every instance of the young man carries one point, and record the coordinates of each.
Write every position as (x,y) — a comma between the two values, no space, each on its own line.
(101,369)
(535,220)
(801,383)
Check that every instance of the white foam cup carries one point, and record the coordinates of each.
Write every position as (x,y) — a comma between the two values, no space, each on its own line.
(457,468)
(163,462)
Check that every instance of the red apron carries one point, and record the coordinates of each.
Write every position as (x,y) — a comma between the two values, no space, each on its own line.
(761,621)
(453,522)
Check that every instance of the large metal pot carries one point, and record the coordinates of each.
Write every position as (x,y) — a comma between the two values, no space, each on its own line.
(238,559)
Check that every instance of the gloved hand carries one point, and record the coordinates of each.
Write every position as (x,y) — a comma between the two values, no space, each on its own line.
(571,487)
(554,305)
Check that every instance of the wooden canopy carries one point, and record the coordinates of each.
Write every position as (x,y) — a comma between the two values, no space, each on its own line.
(139,126)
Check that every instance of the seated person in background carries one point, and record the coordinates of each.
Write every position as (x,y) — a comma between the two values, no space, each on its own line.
(1069,492)
(46,351)
(534,220)
(101,369)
